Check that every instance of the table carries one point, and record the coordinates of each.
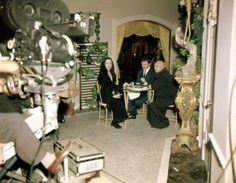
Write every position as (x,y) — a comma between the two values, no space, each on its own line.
(137,89)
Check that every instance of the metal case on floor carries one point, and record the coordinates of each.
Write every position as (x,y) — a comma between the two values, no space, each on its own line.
(83,157)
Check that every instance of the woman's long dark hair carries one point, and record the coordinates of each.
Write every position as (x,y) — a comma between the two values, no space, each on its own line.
(104,70)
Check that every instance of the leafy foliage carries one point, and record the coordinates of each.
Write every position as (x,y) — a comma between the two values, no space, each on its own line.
(180,60)
(86,72)
(98,48)
(197,27)
(97,27)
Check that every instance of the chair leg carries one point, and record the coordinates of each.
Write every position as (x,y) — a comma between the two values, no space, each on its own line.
(99,114)
(125,124)
(106,115)
(103,115)
(176,118)
(144,110)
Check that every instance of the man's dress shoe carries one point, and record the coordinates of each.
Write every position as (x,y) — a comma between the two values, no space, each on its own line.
(60,156)
(116,125)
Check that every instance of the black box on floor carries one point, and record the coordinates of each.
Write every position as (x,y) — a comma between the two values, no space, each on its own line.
(83,157)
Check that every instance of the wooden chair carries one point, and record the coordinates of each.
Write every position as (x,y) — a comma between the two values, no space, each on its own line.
(150,100)
(103,112)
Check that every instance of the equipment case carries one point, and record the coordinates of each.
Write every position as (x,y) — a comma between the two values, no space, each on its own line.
(83,157)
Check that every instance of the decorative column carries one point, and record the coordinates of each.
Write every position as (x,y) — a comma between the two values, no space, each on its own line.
(186,102)
(186,76)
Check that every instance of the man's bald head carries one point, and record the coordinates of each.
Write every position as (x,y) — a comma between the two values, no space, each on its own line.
(159,66)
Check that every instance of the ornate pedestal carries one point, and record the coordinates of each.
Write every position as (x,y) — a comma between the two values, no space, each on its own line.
(186,103)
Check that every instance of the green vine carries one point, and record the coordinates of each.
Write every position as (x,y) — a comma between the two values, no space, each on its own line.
(100,49)
(96,49)
(95,54)
(86,72)
(97,27)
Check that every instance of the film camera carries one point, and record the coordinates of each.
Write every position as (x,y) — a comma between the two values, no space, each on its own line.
(36,35)
(33,34)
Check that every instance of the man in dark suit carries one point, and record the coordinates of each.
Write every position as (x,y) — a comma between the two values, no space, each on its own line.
(144,77)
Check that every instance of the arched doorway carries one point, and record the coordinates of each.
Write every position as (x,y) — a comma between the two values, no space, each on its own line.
(143,30)
(132,50)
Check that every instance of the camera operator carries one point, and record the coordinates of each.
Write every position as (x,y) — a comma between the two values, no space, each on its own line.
(14,129)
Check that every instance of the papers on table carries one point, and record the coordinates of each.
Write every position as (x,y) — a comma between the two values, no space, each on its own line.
(133,95)
(134,91)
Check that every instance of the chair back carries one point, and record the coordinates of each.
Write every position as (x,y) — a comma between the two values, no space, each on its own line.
(150,94)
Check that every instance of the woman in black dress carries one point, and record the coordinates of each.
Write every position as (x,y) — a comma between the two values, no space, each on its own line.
(112,93)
